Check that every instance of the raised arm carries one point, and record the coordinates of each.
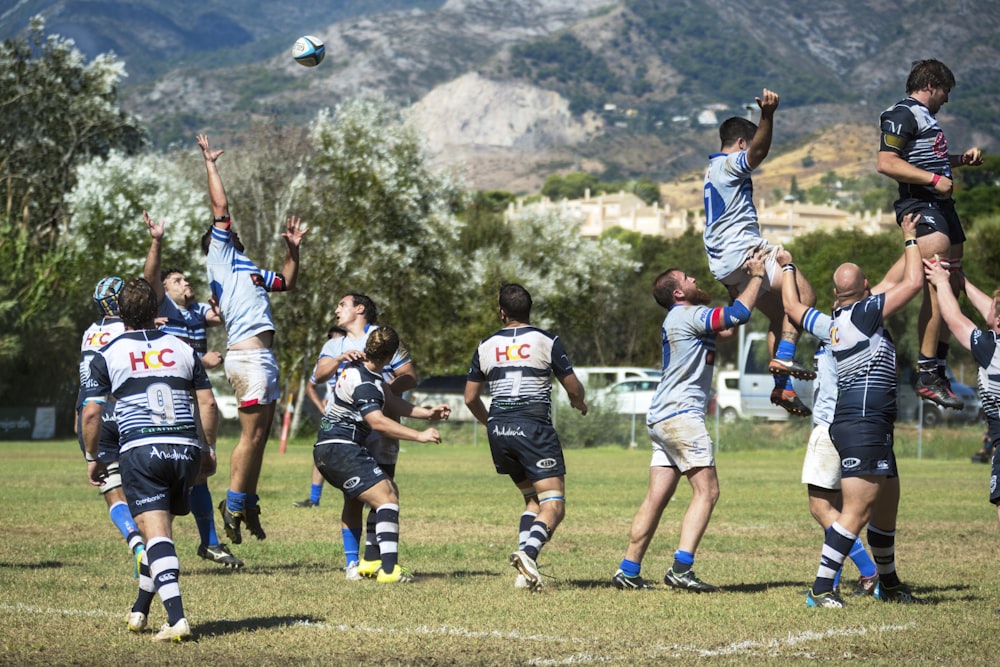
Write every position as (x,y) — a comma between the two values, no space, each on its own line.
(216,191)
(961,327)
(761,143)
(794,308)
(293,239)
(913,270)
(151,269)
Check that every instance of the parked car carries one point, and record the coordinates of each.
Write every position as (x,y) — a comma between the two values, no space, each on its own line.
(599,377)
(908,403)
(628,397)
(727,393)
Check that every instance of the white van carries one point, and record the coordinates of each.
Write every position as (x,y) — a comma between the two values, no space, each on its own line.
(599,377)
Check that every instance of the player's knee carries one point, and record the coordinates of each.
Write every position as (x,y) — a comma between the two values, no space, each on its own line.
(553,503)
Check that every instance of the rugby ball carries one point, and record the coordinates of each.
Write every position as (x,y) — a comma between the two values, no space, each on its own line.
(308,51)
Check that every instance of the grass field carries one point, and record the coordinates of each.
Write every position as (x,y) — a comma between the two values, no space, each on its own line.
(65,574)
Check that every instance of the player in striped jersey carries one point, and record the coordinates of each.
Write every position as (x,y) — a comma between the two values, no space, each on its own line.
(101,332)
(732,234)
(357,314)
(676,421)
(152,376)
(914,152)
(242,292)
(180,315)
(518,363)
(355,410)
(985,347)
(863,423)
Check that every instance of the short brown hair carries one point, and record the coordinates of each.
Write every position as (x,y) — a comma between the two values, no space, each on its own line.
(137,304)
(929,74)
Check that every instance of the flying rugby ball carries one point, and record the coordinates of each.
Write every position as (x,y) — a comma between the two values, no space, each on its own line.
(308,51)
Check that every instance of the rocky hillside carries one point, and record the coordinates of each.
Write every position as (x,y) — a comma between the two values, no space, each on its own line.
(511,90)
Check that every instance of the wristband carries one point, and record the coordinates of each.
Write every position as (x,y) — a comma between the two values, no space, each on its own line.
(909,242)
(221,218)
(89,457)
(935,179)
(761,276)
(788,267)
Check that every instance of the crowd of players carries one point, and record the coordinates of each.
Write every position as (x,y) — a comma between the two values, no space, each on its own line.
(148,420)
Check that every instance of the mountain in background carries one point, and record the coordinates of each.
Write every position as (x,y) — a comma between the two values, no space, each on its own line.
(510,91)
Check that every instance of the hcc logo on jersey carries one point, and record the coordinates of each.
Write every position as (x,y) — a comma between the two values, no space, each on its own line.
(513,352)
(98,339)
(151,359)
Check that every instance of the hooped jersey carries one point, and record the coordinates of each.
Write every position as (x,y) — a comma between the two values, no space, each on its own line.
(688,339)
(911,132)
(518,363)
(986,352)
(188,324)
(335,347)
(866,362)
(240,288)
(151,375)
(97,335)
(357,393)
(825,385)
(731,226)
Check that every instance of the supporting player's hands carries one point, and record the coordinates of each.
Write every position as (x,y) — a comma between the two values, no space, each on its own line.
(783,257)
(429,435)
(155,228)
(909,225)
(97,472)
(294,231)
(936,274)
(768,101)
(206,150)
(755,263)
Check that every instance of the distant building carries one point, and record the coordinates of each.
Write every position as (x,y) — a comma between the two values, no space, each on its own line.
(778,224)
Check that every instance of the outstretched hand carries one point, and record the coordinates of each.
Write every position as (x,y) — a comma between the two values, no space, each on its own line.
(206,150)
(972,157)
(768,101)
(294,231)
(155,228)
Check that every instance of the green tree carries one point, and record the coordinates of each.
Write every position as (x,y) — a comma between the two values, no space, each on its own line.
(58,112)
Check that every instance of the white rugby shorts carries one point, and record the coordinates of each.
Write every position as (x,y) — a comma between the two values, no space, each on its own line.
(253,375)
(681,442)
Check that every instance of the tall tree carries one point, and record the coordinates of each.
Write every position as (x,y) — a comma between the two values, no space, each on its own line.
(57,111)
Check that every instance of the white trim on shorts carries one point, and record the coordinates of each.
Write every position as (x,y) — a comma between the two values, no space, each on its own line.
(821,466)
(681,442)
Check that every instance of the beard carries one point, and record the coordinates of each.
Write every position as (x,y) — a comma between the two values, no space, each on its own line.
(699,297)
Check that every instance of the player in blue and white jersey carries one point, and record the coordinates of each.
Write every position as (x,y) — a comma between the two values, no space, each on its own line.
(676,420)
(914,152)
(985,347)
(821,466)
(863,423)
(518,363)
(242,292)
(732,234)
(316,481)
(152,376)
(354,411)
(356,315)
(180,315)
(101,332)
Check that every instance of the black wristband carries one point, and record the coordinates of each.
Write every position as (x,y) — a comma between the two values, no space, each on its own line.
(909,242)
(788,267)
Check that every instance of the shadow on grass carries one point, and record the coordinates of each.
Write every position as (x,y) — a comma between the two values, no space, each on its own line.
(735,588)
(42,565)
(234,626)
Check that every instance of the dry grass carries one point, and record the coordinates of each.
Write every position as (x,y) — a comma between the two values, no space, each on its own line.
(65,577)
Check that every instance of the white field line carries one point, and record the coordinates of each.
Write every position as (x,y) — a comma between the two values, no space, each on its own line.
(771,647)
